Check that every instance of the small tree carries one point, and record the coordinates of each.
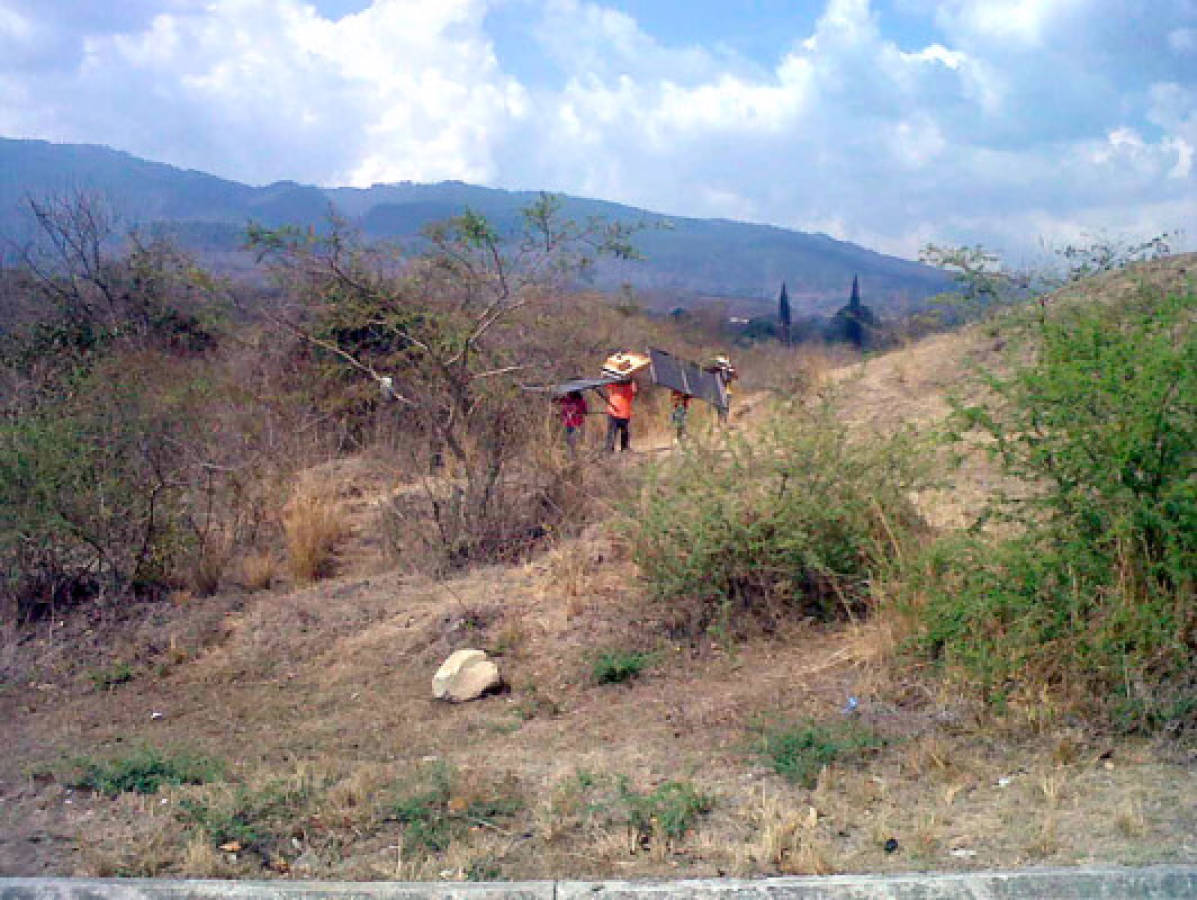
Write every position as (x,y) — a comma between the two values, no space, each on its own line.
(99,287)
(1101,253)
(94,433)
(442,334)
(982,282)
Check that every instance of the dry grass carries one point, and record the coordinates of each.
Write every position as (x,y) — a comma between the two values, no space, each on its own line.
(788,839)
(259,569)
(210,562)
(1129,818)
(329,689)
(314,523)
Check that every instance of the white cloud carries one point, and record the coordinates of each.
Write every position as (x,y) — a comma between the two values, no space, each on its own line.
(953,59)
(1173,107)
(1005,127)
(1183,40)
(588,38)
(265,89)
(1023,23)
(14,26)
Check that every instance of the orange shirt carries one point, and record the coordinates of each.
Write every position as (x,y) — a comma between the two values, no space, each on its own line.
(619,399)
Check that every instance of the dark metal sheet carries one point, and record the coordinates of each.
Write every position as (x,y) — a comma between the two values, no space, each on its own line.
(688,377)
(577,384)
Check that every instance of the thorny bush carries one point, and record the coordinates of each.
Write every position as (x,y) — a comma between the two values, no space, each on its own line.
(1092,598)
(791,523)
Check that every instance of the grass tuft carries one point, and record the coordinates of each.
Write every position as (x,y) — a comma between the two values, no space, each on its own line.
(800,752)
(144,771)
(313,524)
(670,810)
(620,666)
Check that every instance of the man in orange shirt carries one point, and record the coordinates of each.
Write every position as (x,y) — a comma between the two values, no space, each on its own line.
(619,413)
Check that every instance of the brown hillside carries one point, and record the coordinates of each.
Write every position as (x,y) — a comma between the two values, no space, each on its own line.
(317,702)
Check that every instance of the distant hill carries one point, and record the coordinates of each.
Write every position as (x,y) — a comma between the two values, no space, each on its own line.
(686,261)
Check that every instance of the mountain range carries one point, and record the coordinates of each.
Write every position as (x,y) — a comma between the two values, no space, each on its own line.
(687,261)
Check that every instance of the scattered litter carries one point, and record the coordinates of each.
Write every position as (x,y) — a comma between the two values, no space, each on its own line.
(850,706)
(164,801)
(891,845)
(155,716)
(1003,781)
(231,847)
(963,853)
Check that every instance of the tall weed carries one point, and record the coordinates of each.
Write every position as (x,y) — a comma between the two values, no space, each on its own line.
(313,523)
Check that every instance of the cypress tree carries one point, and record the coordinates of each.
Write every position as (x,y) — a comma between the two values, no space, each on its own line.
(855,327)
(853,320)
(783,314)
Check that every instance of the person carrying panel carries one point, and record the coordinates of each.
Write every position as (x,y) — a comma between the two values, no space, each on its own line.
(620,396)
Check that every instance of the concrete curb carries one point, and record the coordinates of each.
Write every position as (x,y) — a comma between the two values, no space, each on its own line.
(1164,882)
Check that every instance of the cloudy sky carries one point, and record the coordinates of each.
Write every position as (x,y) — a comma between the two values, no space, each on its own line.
(889,123)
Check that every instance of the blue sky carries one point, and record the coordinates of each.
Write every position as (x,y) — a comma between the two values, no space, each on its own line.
(1013,123)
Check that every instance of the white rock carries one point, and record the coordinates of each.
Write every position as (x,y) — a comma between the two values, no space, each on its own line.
(465,675)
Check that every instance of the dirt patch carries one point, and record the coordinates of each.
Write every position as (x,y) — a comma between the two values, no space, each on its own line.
(329,688)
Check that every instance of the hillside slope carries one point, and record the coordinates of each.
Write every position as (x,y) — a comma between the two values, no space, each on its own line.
(317,701)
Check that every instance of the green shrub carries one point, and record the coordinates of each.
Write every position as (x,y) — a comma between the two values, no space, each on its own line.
(618,666)
(117,673)
(1093,597)
(672,808)
(792,522)
(799,752)
(144,771)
